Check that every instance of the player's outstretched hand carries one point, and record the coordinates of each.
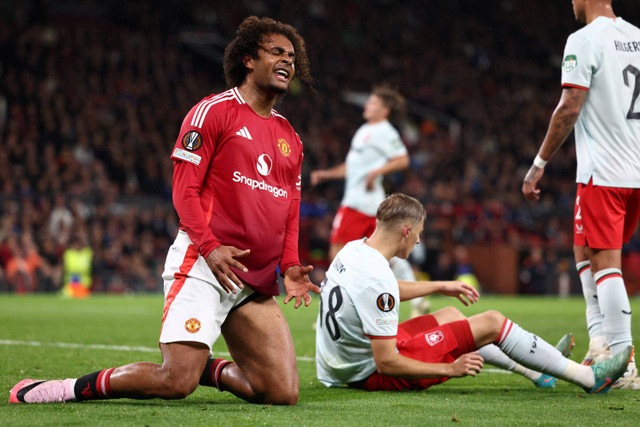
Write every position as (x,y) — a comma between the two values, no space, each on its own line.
(220,260)
(297,285)
(467,364)
(318,176)
(530,183)
(460,290)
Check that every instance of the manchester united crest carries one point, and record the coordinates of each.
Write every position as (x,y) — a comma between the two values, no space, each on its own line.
(192,325)
(284,147)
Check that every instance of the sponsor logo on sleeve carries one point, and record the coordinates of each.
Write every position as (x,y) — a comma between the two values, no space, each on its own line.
(434,337)
(192,325)
(386,322)
(181,154)
(386,302)
(192,140)
(570,63)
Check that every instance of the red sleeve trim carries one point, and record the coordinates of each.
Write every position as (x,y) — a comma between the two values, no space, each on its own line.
(574,86)
(376,337)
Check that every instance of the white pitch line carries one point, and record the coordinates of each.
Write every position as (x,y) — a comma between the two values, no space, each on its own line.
(111,347)
(150,350)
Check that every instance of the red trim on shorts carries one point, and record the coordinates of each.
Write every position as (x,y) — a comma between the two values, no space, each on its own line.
(575,86)
(190,258)
(608,276)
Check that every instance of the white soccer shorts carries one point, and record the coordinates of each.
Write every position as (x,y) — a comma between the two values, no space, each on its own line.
(195,305)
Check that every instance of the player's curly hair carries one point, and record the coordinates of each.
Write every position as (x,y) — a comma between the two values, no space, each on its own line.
(399,207)
(249,38)
(393,100)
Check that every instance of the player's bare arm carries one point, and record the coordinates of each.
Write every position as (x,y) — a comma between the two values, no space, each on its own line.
(297,285)
(220,260)
(321,175)
(393,165)
(389,362)
(562,122)
(455,288)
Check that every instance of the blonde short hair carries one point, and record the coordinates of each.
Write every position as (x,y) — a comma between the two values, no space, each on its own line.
(400,207)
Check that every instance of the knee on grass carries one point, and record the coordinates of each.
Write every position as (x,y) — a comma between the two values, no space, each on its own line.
(277,394)
(178,387)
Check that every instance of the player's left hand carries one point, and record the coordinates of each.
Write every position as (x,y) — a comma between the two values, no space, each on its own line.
(531,179)
(371,178)
(297,285)
(460,290)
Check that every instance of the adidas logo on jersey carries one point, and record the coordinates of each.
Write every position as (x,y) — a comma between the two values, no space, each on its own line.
(244,132)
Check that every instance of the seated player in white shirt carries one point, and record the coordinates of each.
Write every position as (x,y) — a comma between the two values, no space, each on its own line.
(361,343)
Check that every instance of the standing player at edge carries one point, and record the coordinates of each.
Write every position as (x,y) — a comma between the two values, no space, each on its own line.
(601,84)
(236,188)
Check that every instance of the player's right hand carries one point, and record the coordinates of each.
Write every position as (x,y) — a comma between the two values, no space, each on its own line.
(467,364)
(531,179)
(317,177)
(220,260)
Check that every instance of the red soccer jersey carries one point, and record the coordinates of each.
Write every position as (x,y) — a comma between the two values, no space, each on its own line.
(236,176)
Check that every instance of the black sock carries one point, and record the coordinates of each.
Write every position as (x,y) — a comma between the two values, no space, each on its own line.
(212,373)
(94,385)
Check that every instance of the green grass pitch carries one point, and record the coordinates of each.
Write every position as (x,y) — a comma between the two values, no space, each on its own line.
(48,337)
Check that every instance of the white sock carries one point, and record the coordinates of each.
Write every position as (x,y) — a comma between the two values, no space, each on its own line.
(615,307)
(494,356)
(594,316)
(599,342)
(537,354)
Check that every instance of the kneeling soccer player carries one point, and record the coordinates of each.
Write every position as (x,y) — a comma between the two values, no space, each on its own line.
(360,343)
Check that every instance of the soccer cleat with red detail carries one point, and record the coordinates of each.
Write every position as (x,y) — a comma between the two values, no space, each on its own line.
(608,371)
(41,391)
(597,352)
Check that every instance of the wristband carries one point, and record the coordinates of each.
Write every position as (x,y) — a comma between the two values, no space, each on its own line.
(539,162)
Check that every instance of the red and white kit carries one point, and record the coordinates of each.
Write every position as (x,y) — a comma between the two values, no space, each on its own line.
(236,183)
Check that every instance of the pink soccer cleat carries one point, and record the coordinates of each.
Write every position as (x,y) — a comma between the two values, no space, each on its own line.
(41,391)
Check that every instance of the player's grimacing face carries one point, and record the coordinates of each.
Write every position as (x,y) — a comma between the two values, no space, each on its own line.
(275,67)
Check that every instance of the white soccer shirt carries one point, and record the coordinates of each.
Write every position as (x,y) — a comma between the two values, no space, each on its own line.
(359,299)
(372,146)
(604,57)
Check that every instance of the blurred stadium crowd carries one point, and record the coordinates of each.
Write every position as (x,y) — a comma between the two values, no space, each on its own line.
(92,95)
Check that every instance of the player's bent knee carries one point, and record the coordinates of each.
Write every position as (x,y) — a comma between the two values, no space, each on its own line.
(178,387)
(495,319)
(454,313)
(284,397)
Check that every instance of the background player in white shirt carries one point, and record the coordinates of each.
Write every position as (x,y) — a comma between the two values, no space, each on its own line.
(360,343)
(601,87)
(376,150)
